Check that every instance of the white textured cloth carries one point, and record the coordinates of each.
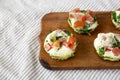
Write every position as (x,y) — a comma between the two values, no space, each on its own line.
(19,46)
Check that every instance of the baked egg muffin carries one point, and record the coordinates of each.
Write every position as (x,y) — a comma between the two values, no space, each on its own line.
(82,21)
(60,44)
(107,46)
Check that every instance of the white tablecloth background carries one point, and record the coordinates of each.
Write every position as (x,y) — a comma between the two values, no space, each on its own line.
(19,46)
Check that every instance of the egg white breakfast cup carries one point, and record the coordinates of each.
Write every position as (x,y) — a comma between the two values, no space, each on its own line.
(60,44)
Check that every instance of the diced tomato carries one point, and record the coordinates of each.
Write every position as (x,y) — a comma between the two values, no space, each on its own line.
(107,48)
(76,10)
(81,17)
(79,24)
(116,51)
(72,40)
(71,43)
(71,15)
(89,12)
(118,9)
(89,18)
(56,43)
(48,47)
(72,46)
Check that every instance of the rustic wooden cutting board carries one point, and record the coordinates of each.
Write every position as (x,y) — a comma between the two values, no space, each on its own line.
(85,56)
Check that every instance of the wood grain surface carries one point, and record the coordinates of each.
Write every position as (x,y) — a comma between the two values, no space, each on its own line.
(85,56)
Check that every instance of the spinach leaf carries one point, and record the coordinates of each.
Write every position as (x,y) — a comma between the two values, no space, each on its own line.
(58,37)
(46,40)
(116,44)
(87,25)
(118,18)
(95,19)
(51,40)
(67,32)
(83,11)
(101,51)
(114,16)
(85,29)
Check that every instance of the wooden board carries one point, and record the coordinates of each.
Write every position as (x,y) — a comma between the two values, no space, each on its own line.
(85,56)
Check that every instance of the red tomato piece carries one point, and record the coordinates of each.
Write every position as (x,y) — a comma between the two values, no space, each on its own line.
(89,18)
(89,12)
(72,40)
(116,51)
(71,46)
(71,43)
(81,17)
(76,10)
(48,46)
(118,9)
(107,48)
(79,24)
